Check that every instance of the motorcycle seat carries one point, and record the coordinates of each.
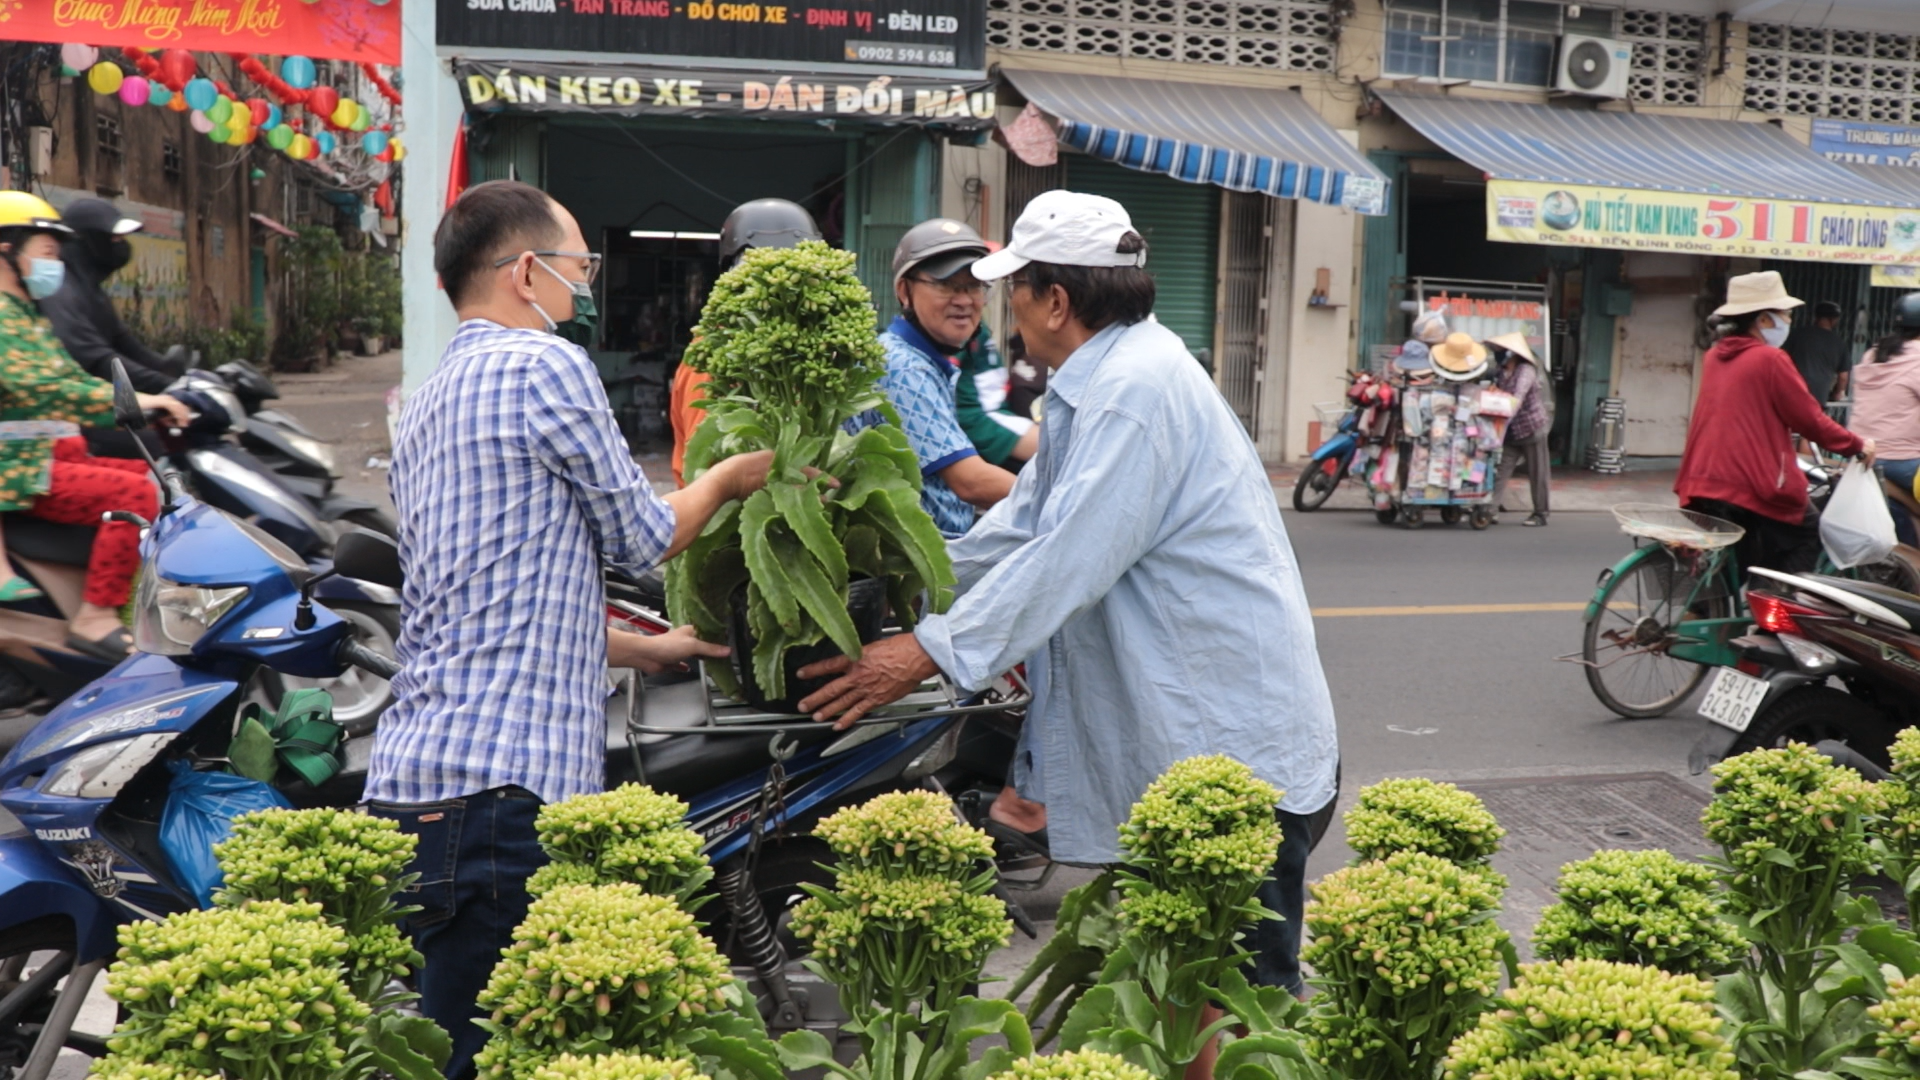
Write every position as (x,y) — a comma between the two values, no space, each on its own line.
(48,541)
(1906,605)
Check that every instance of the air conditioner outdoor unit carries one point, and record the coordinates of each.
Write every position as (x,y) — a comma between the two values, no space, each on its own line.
(1598,67)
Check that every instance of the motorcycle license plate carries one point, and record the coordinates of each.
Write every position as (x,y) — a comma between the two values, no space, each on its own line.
(1733,698)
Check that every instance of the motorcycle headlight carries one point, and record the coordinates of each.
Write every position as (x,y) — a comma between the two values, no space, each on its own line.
(315,449)
(169,617)
(99,772)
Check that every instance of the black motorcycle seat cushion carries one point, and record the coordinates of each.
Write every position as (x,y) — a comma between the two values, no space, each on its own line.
(48,541)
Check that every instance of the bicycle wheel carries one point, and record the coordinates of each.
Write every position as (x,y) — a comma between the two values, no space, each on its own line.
(1626,644)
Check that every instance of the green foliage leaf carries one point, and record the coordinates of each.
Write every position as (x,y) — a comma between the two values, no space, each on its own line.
(408,1047)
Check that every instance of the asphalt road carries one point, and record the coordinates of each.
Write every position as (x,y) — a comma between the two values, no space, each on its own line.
(1467,695)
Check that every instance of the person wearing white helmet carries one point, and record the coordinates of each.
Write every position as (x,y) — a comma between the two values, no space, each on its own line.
(1139,569)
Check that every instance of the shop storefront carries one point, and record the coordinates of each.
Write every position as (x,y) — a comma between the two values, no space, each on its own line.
(1629,224)
(1224,182)
(653,125)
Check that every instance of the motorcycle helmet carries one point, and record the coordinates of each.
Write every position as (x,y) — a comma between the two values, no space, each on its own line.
(765,223)
(22,213)
(101,230)
(939,248)
(29,213)
(1906,312)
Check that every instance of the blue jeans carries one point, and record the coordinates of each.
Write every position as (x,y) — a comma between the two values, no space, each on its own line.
(1900,474)
(1275,943)
(474,859)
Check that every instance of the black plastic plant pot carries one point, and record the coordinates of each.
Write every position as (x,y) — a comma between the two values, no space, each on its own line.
(866,603)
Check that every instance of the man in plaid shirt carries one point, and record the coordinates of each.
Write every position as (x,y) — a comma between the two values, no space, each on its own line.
(513,487)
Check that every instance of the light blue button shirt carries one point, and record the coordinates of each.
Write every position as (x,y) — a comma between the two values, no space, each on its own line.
(1141,570)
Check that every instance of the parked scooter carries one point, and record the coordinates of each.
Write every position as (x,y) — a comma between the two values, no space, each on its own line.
(281,446)
(37,664)
(1811,629)
(1331,459)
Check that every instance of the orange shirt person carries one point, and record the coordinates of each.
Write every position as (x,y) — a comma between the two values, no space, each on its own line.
(689,386)
(762,223)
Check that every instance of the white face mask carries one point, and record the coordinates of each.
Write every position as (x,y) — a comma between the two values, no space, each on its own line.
(1776,335)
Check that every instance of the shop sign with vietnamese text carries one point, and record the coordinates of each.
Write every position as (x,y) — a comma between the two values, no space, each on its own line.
(323,29)
(621,90)
(1852,143)
(949,34)
(1528,212)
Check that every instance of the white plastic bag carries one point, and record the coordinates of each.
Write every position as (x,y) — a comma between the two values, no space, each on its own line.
(1856,526)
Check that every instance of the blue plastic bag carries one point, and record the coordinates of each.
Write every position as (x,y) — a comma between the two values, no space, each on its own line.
(200,810)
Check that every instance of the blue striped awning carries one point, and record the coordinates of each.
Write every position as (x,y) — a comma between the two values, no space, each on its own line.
(1235,137)
(1513,141)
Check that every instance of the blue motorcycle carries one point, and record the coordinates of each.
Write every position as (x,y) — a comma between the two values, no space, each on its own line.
(221,599)
(1329,464)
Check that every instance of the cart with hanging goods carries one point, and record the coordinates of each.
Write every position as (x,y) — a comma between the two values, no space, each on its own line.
(1445,449)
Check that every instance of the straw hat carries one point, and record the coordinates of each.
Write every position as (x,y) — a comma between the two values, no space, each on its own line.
(1763,291)
(1459,354)
(1515,343)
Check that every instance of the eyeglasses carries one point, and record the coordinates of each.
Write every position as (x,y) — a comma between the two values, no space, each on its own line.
(593,260)
(949,289)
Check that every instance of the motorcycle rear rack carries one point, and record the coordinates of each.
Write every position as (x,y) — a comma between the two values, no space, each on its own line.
(935,698)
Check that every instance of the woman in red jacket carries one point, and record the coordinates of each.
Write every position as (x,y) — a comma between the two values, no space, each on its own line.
(1739,462)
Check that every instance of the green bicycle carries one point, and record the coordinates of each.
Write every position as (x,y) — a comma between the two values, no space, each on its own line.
(1665,614)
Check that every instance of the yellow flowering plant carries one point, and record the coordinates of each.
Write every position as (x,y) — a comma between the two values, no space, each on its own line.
(904,932)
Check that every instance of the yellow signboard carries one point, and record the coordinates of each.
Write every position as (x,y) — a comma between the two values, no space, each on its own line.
(1528,212)
(1897,277)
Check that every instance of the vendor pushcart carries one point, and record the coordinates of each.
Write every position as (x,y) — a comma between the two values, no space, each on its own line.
(1444,449)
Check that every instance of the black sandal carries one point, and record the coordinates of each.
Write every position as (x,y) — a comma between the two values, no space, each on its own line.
(113,648)
(1012,843)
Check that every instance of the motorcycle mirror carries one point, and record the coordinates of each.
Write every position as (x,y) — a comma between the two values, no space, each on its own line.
(126,403)
(368,556)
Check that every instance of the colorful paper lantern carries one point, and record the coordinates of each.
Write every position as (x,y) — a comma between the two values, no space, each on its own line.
(298,72)
(323,100)
(273,117)
(363,120)
(79,57)
(218,133)
(398,151)
(134,90)
(342,114)
(158,94)
(279,137)
(257,175)
(373,142)
(259,110)
(176,67)
(199,122)
(105,78)
(240,135)
(201,94)
(324,141)
(302,148)
(220,111)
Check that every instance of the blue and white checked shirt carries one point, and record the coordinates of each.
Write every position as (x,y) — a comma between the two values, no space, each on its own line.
(513,486)
(1141,570)
(919,384)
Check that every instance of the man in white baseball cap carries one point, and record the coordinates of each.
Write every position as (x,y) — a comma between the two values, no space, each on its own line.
(1139,569)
